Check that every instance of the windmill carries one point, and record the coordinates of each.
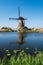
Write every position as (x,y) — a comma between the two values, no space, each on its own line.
(20,20)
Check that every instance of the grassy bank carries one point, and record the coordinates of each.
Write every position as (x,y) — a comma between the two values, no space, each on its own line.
(5,29)
(22,58)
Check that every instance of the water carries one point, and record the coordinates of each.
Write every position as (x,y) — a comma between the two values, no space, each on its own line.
(14,40)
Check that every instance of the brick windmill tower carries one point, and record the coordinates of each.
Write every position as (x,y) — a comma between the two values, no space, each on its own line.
(20,20)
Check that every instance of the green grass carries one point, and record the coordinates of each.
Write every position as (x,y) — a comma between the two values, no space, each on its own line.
(22,58)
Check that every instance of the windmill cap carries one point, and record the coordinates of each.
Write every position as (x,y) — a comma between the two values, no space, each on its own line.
(21,18)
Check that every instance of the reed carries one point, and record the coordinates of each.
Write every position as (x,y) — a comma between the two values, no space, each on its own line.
(22,58)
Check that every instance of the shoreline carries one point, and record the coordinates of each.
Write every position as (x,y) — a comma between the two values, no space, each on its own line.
(37,30)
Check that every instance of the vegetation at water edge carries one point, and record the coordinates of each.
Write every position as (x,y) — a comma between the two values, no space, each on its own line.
(22,58)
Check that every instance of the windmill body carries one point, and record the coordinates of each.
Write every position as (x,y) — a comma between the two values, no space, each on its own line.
(20,23)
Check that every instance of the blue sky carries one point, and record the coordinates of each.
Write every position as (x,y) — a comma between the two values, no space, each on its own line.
(30,9)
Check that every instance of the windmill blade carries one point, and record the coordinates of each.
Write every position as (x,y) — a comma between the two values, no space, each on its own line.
(25,18)
(18,12)
(13,18)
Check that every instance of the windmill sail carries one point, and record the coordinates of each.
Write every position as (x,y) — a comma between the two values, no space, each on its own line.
(18,12)
(13,18)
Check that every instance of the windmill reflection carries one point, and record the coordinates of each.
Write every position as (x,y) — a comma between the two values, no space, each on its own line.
(20,38)
(18,43)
